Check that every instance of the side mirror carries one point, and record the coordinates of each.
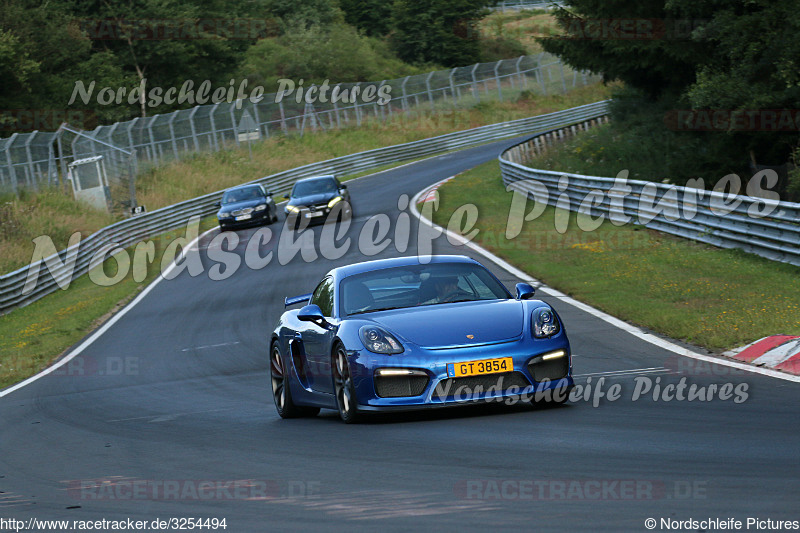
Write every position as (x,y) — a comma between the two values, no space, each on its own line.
(285,196)
(343,186)
(312,313)
(217,204)
(269,193)
(524,291)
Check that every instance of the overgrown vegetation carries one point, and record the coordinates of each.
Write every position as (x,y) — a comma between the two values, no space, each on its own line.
(56,214)
(46,47)
(667,284)
(32,337)
(689,67)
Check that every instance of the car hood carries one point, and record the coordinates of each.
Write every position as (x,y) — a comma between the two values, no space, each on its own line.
(313,199)
(227,208)
(450,325)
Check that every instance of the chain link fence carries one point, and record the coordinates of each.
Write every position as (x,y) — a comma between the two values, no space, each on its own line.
(36,160)
(518,5)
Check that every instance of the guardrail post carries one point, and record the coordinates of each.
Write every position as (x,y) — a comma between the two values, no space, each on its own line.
(257,118)
(214,126)
(233,123)
(523,80)
(356,110)
(283,118)
(152,139)
(130,134)
(475,90)
(32,179)
(497,80)
(61,159)
(52,170)
(172,134)
(132,178)
(12,172)
(336,112)
(388,104)
(192,127)
(428,86)
(405,96)
(452,87)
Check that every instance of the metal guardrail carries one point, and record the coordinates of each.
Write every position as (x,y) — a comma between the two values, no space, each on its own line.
(127,232)
(41,159)
(712,217)
(518,5)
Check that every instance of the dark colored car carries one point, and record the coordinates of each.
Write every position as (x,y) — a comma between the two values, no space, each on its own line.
(397,334)
(314,199)
(246,205)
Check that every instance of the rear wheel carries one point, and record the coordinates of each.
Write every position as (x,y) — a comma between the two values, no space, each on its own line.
(343,387)
(281,392)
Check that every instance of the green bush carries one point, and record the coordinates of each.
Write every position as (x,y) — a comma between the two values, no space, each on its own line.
(336,52)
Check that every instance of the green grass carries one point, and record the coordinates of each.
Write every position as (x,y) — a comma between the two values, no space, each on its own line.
(715,298)
(56,214)
(32,337)
(599,152)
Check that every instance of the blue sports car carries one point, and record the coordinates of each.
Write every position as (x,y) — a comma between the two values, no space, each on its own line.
(399,334)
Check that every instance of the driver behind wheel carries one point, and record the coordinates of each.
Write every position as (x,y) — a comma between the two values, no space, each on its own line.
(447,290)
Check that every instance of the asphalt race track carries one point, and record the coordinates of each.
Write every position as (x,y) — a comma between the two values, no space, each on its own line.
(169,414)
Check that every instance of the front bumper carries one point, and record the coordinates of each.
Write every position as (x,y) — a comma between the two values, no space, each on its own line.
(530,379)
(256,218)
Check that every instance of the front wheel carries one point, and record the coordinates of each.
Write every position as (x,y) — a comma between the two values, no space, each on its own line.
(281,391)
(343,387)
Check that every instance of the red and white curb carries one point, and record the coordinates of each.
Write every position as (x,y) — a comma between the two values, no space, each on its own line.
(781,352)
(780,372)
(429,195)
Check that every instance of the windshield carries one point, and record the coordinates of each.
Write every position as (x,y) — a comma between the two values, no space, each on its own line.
(307,188)
(242,195)
(418,285)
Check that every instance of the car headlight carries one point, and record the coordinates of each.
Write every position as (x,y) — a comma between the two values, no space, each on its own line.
(334,201)
(377,340)
(223,215)
(545,323)
(293,208)
(261,207)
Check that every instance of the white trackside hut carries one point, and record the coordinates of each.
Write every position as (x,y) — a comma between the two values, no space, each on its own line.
(89,181)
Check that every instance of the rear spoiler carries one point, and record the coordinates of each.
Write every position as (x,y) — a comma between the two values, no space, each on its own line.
(297,300)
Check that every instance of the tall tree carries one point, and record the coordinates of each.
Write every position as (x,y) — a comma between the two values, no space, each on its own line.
(437,31)
(373,17)
(729,55)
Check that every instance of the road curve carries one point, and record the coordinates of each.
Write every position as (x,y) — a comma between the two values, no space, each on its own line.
(169,414)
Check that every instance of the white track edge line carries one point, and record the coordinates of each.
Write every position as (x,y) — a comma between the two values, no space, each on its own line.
(107,325)
(97,333)
(616,322)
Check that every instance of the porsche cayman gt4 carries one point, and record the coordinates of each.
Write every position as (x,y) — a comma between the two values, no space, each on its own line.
(401,334)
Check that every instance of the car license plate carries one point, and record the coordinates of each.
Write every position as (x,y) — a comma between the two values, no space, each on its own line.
(314,214)
(477,368)
(243,217)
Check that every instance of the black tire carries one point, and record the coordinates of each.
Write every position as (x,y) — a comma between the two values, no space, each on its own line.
(343,387)
(281,391)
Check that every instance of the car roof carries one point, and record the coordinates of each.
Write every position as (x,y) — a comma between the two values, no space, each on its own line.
(380,264)
(315,178)
(245,186)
